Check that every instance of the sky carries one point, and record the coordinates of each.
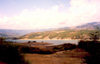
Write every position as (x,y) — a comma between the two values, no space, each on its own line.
(44,14)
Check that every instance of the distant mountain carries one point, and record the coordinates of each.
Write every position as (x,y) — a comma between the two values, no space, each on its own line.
(77,32)
(18,33)
(90,26)
(13,33)
(63,28)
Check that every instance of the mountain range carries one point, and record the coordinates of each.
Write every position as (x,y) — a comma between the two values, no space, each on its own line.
(49,33)
(91,26)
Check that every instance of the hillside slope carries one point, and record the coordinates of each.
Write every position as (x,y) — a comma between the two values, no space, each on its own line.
(59,34)
(79,32)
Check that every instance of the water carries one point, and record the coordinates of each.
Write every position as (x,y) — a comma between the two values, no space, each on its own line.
(54,42)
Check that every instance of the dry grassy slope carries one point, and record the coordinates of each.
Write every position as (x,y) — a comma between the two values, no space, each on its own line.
(63,57)
(65,33)
(58,34)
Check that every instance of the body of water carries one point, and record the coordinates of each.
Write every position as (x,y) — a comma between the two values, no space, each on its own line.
(55,42)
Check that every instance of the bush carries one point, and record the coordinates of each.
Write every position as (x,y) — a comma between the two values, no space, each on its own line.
(10,54)
(93,49)
(95,34)
(62,47)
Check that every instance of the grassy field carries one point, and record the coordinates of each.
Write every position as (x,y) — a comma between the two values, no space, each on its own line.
(75,56)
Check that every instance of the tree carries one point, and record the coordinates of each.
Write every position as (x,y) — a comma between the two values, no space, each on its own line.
(2,40)
(95,34)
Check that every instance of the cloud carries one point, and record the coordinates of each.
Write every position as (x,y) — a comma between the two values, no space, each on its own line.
(79,12)
(83,11)
(39,18)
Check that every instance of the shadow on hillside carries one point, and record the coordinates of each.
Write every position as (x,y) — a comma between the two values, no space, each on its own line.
(93,48)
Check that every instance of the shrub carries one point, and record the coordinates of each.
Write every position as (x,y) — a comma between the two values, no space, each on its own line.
(10,54)
(95,34)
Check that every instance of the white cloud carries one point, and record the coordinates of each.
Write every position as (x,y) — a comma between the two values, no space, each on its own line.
(39,18)
(80,11)
(83,11)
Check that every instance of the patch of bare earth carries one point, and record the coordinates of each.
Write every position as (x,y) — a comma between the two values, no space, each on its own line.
(75,56)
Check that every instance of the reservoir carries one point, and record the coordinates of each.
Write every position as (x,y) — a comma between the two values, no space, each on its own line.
(54,42)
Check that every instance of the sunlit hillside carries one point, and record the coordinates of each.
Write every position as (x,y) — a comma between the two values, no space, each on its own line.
(78,32)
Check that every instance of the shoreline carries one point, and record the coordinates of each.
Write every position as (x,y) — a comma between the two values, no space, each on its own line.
(49,39)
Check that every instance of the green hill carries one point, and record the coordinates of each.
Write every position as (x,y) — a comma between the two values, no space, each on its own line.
(58,34)
(78,32)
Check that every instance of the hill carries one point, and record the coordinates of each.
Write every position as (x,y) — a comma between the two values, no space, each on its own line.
(52,33)
(79,32)
(58,34)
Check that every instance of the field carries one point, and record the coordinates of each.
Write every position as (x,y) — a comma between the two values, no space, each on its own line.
(75,56)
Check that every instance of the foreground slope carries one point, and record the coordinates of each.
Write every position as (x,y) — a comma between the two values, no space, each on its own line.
(75,56)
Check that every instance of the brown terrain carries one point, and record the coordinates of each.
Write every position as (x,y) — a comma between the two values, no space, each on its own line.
(86,52)
(75,56)
(57,55)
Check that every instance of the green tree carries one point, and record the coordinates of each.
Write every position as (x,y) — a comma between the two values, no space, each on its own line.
(95,34)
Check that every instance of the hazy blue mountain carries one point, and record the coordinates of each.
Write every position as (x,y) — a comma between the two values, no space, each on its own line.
(90,26)
(64,28)
(17,33)
(13,33)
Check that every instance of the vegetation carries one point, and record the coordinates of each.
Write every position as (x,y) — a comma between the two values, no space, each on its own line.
(87,52)
(9,53)
(94,50)
(13,53)
(95,34)
(60,34)
(47,49)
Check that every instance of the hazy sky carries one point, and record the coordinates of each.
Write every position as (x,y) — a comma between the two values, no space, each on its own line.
(43,14)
